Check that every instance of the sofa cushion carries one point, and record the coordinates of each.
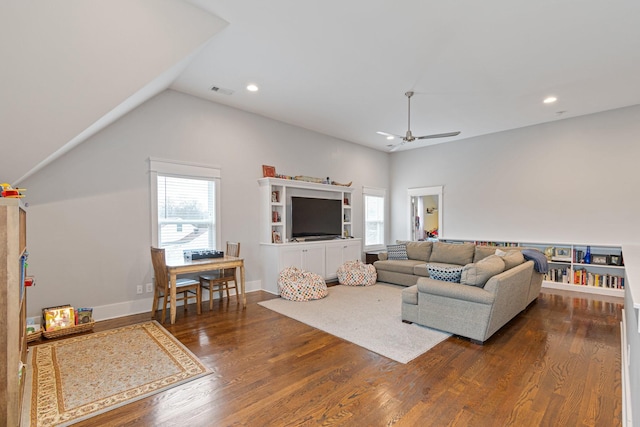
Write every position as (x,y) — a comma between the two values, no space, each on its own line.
(445,274)
(477,274)
(510,258)
(397,265)
(421,270)
(452,253)
(418,250)
(397,252)
(485,251)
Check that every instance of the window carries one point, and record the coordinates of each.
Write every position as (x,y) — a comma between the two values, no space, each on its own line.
(374,222)
(184,207)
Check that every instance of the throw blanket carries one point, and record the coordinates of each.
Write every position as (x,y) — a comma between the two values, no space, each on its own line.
(539,260)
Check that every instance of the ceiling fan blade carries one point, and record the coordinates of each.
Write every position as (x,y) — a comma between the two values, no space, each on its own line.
(394,147)
(388,134)
(438,135)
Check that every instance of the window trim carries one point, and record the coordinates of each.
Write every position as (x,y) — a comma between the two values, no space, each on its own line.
(374,192)
(181,170)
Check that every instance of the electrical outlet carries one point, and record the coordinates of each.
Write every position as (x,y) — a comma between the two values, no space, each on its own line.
(139,289)
(149,287)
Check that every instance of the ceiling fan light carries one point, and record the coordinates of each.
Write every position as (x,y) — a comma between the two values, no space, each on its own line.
(550,100)
(390,137)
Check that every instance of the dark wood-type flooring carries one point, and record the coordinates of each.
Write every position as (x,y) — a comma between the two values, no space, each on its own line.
(556,364)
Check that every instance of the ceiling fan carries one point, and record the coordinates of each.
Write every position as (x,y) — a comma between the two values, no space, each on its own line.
(409,136)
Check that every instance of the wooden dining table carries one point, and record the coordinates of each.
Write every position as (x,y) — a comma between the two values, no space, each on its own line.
(179,265)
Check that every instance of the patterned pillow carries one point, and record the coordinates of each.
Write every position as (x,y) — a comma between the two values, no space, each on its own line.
(446,274)
(397,252)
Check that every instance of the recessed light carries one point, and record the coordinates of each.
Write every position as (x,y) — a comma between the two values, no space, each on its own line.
(550,100)
(252,88)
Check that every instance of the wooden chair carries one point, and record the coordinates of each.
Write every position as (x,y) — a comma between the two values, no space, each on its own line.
(187,287)
(221,279)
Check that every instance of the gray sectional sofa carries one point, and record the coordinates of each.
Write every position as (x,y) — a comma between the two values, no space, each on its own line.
(490,290)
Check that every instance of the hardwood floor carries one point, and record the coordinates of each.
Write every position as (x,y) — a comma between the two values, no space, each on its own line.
(556,364)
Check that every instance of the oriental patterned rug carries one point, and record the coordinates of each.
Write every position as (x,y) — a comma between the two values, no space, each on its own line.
(79,377)
(369,316)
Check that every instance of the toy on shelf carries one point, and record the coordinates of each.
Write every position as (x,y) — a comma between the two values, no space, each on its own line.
(10,192)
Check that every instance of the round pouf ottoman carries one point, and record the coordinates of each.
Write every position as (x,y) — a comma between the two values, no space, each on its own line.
(356,273)
(299,285)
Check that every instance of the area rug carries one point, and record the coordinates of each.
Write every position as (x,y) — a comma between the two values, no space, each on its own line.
(79,377)
(367,316)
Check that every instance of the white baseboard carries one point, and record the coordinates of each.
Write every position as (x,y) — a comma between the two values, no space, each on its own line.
(143,305)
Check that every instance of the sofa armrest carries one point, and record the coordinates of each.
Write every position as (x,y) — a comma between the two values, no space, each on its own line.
(519,275)
(458,291)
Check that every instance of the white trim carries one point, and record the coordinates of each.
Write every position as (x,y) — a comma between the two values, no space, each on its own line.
(174,167)
(374,192)
(627,419)
(181,169)
(436,190)
(143,305)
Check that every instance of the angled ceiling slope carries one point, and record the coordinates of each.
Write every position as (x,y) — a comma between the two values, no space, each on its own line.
(74,67)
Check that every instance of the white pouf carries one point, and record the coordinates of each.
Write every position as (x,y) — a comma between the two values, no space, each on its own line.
(356,273)
(299,285)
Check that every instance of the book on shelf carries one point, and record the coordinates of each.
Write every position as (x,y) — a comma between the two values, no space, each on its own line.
(59,317)
(84,315)
(597,280)
(558,275)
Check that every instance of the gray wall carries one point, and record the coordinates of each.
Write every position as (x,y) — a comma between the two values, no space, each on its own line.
(89,226)
(574,180)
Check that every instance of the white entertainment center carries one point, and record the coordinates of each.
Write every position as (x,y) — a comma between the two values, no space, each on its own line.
(277,247)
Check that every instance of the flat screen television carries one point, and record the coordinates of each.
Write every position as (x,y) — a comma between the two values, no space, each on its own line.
(311,217)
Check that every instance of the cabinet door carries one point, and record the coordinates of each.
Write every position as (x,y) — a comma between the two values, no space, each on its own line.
(314,259)
(339,253)
(291,256)
(352,251)
(334,259)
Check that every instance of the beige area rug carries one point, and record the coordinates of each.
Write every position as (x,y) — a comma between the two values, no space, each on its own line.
(366,316)
(79,377)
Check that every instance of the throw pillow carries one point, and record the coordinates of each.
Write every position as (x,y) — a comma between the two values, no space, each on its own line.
(397,252)
(446,274)
(420,251)
(510,258)
(477,274)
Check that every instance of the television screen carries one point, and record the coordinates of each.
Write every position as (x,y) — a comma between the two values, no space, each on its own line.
(315,217)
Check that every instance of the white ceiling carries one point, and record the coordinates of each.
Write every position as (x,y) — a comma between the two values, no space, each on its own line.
(342,67)
(337,67)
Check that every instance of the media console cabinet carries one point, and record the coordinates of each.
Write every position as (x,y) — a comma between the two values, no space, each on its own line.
(323,258)
(277,249)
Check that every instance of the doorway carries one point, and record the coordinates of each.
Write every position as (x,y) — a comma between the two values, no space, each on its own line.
(425,211)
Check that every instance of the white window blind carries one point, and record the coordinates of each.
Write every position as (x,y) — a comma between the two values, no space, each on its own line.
(186,208)
(374,219)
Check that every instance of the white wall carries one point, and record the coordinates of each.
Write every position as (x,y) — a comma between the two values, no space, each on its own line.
(574,180)
(67,65)
(89,216)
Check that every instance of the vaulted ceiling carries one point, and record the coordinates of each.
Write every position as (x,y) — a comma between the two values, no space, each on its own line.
(337,67)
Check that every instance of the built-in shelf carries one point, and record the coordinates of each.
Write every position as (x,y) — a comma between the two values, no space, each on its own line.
(606,277)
